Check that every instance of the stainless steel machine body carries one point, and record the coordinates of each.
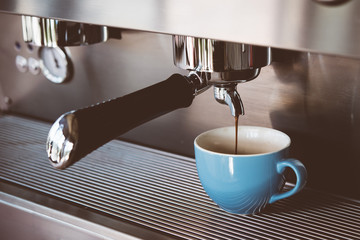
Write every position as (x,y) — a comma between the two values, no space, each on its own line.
(310,90)
(310,95)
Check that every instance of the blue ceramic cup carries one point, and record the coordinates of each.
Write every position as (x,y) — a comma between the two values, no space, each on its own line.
(245,183)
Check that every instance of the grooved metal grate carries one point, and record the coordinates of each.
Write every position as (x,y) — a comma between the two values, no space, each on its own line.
(161,191)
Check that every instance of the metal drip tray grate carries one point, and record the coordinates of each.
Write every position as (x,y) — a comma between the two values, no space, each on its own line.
(160,191)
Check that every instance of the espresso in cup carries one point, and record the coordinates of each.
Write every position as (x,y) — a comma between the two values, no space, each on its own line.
(245,182)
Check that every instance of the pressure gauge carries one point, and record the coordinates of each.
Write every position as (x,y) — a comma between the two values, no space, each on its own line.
(55,64)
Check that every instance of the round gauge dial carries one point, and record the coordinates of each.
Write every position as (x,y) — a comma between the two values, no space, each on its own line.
(56,64)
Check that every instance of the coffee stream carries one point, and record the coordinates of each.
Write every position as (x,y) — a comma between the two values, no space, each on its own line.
(236,133)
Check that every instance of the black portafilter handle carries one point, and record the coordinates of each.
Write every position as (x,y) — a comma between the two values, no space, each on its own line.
(77,133)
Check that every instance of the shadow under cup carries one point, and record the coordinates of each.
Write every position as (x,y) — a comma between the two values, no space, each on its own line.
(246,182)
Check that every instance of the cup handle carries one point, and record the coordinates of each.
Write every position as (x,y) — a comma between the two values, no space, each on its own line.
(301,176)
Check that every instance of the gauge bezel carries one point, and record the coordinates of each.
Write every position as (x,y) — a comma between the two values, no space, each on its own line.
(64,53)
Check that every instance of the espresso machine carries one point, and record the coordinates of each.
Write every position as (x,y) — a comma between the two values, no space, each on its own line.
(114,93)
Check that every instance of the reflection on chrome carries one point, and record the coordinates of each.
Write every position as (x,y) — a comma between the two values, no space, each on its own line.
(228,95)
(61,141)
(48,32)
(224,61)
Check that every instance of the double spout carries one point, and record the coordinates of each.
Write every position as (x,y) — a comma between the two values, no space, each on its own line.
(228,95)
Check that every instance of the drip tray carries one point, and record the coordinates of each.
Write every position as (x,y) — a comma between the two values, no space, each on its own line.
(152,194)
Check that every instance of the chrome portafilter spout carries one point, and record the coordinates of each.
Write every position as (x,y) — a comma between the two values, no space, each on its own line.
(227,94)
